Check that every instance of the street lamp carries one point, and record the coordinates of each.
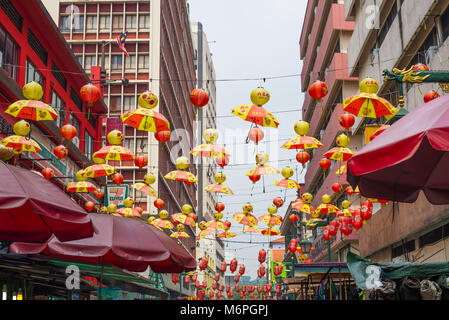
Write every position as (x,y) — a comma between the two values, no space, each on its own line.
(306,246)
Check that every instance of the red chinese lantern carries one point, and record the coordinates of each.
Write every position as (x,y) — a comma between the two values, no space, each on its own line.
(431,95)
(162,136)
(366,210)
(292,245)
(159,203)
(254,178)
(237,288)
(357,220)
(141,161)
(217,277)
(187,279)
(256,135)
(211,294)
(325,164)
(278,202)
(237,278)
(220,287)
(259,289)
(98,194)
(68,131)
(197,284)
(318,90)
(61,151)
(333,227)
(269,287)
(214,286)
(349,190)
(228,288)
(90,94)
(244,288)
(242,270)
(175,278)
(227,224)
(303,157)
(262,256)
(420,67)
(117,178)
(346,226)
(222,161)
(219,295)
(204,284)
(223,267)
(204,261)
(337,188)
(230,294)
(219,206)
(242,295)
(233,265)
(346,120)
(326,234)
(278,289)
(48,173)
(293,218)
(89,205)
(199,97)
(262,270)
(194,277)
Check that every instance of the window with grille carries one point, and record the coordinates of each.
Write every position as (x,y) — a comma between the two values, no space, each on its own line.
(105,23)
(116,62)
(9,52)
(91,24)
(115,104)
(64,25)
(144,61)
(129,103)
(88,144)
(89,61)
(76,99)
(37,47)
(117,23)
(403,249)
(79,27)
(130,62)
(131,22)
(59,76)
(144,22)
(58,104)
(12,13)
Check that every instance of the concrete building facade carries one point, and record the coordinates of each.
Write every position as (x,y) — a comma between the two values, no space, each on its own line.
(400,34)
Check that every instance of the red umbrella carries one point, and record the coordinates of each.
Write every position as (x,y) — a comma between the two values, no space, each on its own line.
(411,157)
(125,243)
(33,209)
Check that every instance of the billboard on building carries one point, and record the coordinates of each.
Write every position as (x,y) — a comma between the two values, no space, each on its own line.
(114,123)
(116,194)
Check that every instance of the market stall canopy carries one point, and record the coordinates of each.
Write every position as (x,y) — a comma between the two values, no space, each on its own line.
(408,157)
(33,209)
(125,243)
(364,277)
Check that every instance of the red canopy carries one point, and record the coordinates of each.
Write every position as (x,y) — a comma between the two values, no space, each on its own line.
(408,157)
(122,242)
(33,209)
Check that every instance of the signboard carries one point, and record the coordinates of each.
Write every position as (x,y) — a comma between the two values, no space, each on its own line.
(114,123)
(111,293)
(116,195)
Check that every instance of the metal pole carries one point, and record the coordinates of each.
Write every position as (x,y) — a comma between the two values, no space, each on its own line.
(328,245)
(101,277)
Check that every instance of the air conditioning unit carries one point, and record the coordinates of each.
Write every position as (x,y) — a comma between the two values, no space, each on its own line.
(430,53)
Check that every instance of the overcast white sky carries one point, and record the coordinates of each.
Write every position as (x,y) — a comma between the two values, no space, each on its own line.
(254,39)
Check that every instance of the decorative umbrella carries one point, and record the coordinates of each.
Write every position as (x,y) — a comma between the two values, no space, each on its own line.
(326,209)
(302,206)
(184,219)
(271,219)
(204,233)
(146,120)
(118,242)
(216,224)
(32,109)
(210,150)
(98,170)
(227,234)
(114,153)
(367,103)
(82,187)
(313,223)
(270,232)
(21,143)
(248,229)
(287,183)
(128,212)
(413,156)
(32,209)
(261,170)
(302,142)
(180,232)
(6,153)
(257,115)
(219,177)
(379,131)
(182,163)
(339,154)
(246,217)
(143,187)
(163,223)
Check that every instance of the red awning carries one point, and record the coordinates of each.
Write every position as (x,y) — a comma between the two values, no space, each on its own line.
(126,243)
(408,157)
(33,209)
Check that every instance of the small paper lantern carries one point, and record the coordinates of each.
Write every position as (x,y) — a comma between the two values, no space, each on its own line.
(254,177)
(141,161)
(431,95)
(278,202)
(162,136)
(242,269)
(233,265)
(219,206)
(98,194)
(61,151)
(89,206)
(68,131)
(48,173)
(293,218)
(256,135)
(90,94)
(318,90)
(117,178)
(325,163)
(303,157)
(346,120)
(159,203)
(337,188)
(262,256)
(199,97)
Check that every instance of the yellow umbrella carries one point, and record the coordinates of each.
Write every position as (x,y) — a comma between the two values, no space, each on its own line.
(146,120)
(270,232)
(271,219)
(251,229)
(245,218)
(215,224)
(368,105)
(113,153)
(218,188)
(302,142)
(184,219)
(209,151)
(302,206)
(181,175)
(21,143)
(263,169)
(287,183)
(339,154)
(179,234)
(326,208)
(128,212)
(163,223)
(227,234)
(256,114)
(31,110)
(98,170)
(143,187)
(204,233)
(82,186)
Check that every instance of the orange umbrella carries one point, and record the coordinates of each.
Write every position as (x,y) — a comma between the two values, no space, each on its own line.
(302,142)
(218,188)
(143,187)
(82,186)
(215,224)
(114,153)
(146,120)
(227,234)
(21,143)
(245,218)
(205,233)
(271,219)
(339,154)
(32,110)
(128,212)
(209,151)
(287,183)
(303,207)
(181,175)
(251,230)
(368,105)
(184,219)
(179,234)
(270,232)
(255,114)
(263,169)
(326,208)
(98,170)
(163,223)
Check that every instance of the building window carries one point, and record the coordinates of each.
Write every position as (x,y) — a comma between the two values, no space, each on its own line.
(78,26)
(59,76)
(91,24)
(115,104)
(37,47)
(130,62)
(129,143)
(9,52)
(131,22)
(32,74)
(76,99)
(105,23)
(76,123)
(89,61)
(116,62)
(65,24)
(117,23)
(144,22)
(129,102)
(403,249)
(12,13)
(58,104)
(387,25)
(144,61)
(88,144)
